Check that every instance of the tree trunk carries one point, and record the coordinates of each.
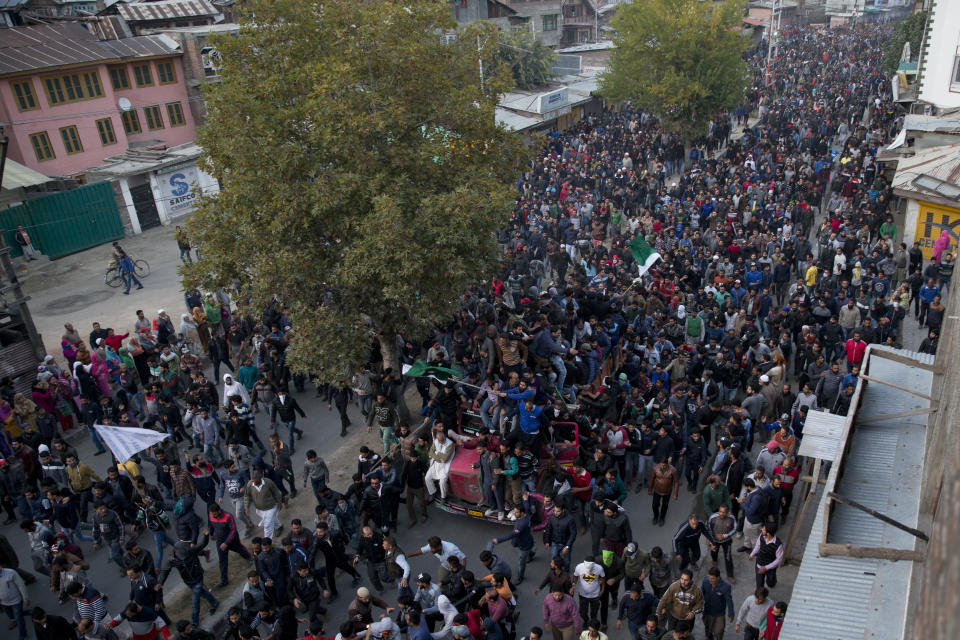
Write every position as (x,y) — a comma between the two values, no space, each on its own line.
(388,349)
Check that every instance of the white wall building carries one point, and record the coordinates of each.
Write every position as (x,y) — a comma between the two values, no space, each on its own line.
(940,61)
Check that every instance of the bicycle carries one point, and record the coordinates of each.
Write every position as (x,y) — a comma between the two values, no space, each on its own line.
(113,278)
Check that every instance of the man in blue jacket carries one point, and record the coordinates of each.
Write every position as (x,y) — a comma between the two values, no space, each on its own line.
(717,597)
(521,538)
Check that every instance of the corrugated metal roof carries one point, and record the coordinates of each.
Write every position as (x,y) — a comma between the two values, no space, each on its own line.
(821,435)
(53,45)
(514,121)
(921,122)
(843,598)
(166,10)
(109,27)
(12,4)
(943,163)
(16,175)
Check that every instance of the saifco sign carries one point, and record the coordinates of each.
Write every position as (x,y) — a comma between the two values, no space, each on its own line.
(932,220)
(180,190)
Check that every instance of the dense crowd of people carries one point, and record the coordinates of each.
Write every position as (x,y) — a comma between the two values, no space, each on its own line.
(576,383)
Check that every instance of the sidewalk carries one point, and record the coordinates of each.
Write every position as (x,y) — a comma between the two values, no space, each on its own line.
(72,289)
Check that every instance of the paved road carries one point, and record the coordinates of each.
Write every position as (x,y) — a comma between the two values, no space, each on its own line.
(72,289)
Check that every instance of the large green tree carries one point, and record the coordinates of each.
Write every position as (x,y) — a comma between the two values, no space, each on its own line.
(530,60)
(680,60)
(363,175)
(910,29)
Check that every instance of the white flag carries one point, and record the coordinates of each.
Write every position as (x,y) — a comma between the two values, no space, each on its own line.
(124,442)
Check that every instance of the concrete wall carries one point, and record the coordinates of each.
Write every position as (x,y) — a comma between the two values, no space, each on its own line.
(535,10)
(940,56)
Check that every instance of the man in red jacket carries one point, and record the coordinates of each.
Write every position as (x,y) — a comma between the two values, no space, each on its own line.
(856,347)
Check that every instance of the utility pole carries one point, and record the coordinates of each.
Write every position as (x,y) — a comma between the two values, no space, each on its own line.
(773,35)
(480,61)
(19,303)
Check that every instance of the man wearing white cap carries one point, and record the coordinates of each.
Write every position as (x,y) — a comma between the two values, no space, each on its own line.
(361,609)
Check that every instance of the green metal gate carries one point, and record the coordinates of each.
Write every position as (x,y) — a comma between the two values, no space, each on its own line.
(66,222)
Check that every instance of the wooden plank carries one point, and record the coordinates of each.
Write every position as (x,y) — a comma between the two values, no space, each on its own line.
(881,553)
(896,386)
(816,475)
(896,357)
(897,416)
(879,516)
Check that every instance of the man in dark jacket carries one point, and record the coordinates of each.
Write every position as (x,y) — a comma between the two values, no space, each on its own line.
(286,408)
(185,559)
(686,542)
(272,565)
(146,591)
(521,538)
(307,591)
(223,528)
(49,627)
(560,534)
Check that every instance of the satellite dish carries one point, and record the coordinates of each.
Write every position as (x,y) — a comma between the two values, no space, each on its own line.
(124,104)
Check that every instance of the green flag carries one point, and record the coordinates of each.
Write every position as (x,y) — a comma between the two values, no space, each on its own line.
(420,369)
(643,254)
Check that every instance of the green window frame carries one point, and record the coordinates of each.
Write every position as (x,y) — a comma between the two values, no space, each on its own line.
(142,76)
(166,74)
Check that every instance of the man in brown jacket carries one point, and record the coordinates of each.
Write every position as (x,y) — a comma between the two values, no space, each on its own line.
(663,480)
(683,600)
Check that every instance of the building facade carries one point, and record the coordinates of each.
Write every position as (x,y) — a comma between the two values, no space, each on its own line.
(939,74)
(68,100)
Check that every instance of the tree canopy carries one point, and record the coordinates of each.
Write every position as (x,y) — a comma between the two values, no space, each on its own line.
(529,59)
(680,60)
(362,173)
(910,29)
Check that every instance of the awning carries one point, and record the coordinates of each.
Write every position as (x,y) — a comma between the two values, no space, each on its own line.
(15,176)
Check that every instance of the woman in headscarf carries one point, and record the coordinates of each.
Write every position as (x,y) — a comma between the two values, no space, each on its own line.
(88,386)
(69,352)
(188,329)
(203,328)
(25,410)
(101,373)
(64,389)
(232,387)
(940,245)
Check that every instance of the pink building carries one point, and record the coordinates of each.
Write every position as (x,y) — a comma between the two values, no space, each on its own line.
(68,101)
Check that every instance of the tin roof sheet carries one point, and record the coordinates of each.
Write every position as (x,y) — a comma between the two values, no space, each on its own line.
(166,10)
(47,46)
(821,435)
(844,598)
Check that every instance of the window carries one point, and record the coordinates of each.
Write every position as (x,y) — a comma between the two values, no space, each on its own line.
(165,73)
(105,130)
(955,78)
(91,85)
(550,22)
(131,122)
(141,75)
(152,114)
(175,114)
(41,146)
(71,140)
(72,87)
(211,61)
(23,93)
(119,78)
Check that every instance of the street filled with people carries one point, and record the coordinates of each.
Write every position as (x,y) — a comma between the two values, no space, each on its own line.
(563,387)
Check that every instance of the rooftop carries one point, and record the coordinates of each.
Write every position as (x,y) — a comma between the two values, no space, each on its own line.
(48,46)
(931,174)
(166,10)
(837,594)
(136,161)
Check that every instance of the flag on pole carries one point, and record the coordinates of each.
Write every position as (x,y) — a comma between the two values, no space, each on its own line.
(420,369)
(643,254)
(124,442)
